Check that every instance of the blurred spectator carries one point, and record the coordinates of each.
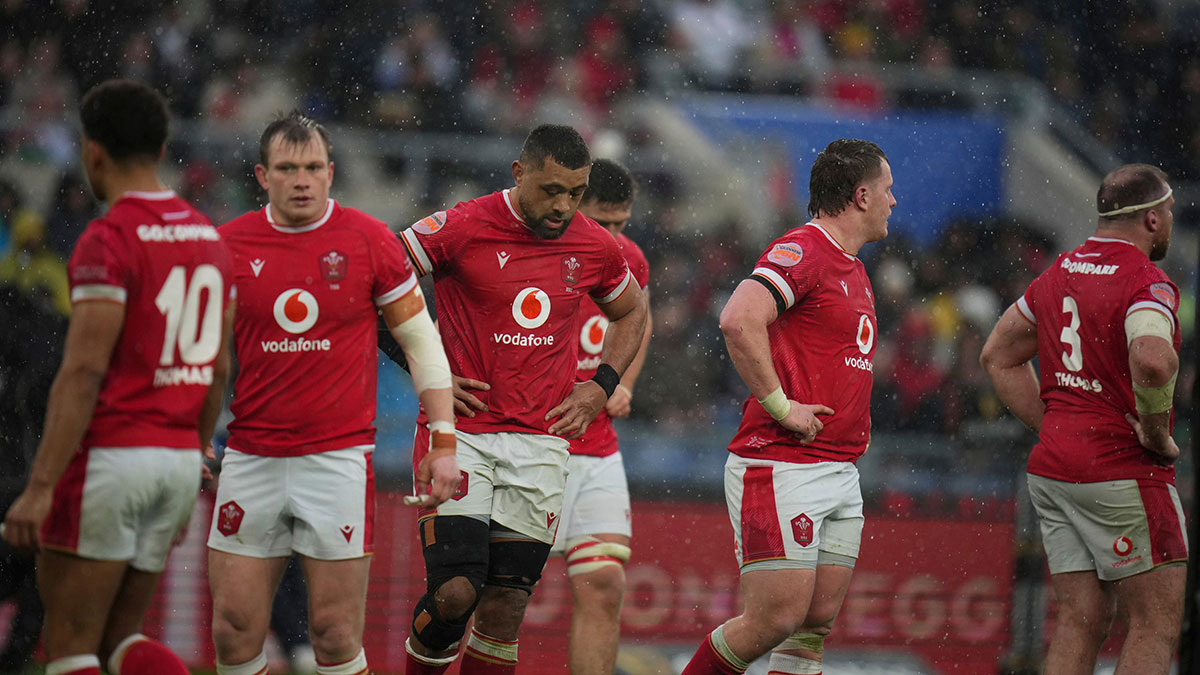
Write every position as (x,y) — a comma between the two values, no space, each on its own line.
(72,210)
(604,66)
(790,47)
(713,38)
(34,269)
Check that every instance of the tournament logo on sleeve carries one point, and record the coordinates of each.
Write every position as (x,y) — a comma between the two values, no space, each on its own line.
(1164,294)
(430,224)
(333,266)
(786,255)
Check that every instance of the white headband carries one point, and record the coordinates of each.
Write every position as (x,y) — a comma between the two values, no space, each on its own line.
(1137,207)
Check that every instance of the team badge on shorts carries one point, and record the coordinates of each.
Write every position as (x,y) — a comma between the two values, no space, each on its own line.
(333,266)
(786,255)
(802,529)
(570,269)
(229,518)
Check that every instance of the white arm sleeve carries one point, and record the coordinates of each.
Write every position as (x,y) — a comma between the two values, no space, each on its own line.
(422,346)
(1147,322)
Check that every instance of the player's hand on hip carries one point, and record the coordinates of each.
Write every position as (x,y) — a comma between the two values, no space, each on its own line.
(802,420)
(23,522)
(577,410)
(620,403)
(465,403)
(1162,447)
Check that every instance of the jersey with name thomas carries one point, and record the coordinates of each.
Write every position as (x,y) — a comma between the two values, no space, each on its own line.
(507,303)
(1079,306)
(164,261)
(305,332)
(822,346)
(600,439)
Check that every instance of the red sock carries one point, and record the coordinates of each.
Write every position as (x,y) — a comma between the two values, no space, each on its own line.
(139,655)
(707,661)
(486,655)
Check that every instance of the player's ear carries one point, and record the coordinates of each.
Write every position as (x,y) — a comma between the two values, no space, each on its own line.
(518,171)
(860,197)
(260,172)
(329,180)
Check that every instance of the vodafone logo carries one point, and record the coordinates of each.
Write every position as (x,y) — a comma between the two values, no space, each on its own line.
(591,337)
(1122,546)
(530,309)
(866,334)
(296,310)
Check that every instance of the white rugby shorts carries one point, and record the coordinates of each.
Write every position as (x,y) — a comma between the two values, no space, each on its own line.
(793,516)
(596,500)
(513,479)
(124,504)
(320,505)
(1115,528)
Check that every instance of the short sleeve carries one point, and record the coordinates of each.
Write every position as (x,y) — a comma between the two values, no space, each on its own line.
(789,269)
(1158,293)
(615,277)
(393,273)
(432,241)
(99,268)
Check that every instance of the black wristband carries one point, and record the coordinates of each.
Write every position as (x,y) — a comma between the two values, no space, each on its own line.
(606,376)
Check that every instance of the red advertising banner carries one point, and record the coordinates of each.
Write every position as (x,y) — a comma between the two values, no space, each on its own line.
(938,589)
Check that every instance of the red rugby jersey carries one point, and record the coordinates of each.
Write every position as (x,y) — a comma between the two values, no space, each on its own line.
(507,301)
(600,440)
(822,346)
(1079,306)
(161,258)
(305,333)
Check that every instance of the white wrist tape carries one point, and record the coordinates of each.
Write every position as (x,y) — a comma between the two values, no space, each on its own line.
(422,346)
(776,404)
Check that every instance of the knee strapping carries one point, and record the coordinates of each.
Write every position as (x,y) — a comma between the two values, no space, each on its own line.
(454,546)
(433,630)
(517,564)
(588,554)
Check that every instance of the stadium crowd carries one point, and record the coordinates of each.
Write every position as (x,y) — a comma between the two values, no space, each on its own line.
(490,67)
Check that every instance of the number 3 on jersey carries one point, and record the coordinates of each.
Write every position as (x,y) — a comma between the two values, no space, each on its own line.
(1072,359)
(198,338)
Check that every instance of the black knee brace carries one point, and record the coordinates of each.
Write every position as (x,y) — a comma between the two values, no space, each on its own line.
(517,564)
(454,546)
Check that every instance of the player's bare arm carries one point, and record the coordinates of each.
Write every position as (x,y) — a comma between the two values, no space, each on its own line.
(1007,358)
(744,322)
(620,404)
(410,324)
(626,331)
(222,367)
(1153,366)
(91,336)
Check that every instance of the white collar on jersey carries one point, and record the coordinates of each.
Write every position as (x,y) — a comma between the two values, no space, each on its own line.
(832,240)
(302,228)
(511,209)
(156,196)
(1110,240)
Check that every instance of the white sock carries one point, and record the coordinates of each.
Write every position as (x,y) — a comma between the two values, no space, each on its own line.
(790,664)
(69,664)
(355,666)
(255,666)
(722,647)
(429,660)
